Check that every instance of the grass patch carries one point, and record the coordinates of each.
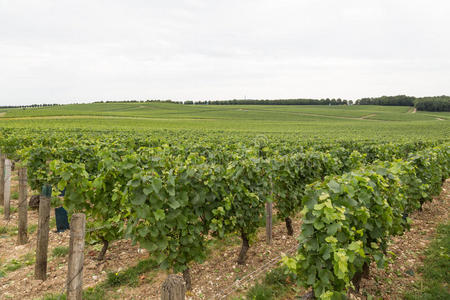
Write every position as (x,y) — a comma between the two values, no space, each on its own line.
(60,251)
(131,275)
(12,210)
(436,269)
(15,195)
(29,258)
(11,230)
(15,264)
(276,284)
(95,293)
(32,228)
(260,292)
(222,244)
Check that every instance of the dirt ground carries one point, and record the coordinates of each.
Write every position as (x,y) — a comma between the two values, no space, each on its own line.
(219,277)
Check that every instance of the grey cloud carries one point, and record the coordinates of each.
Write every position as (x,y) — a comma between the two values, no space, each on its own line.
(53,51)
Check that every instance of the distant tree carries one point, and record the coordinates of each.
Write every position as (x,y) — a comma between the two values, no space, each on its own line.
(400,100)
(439,103)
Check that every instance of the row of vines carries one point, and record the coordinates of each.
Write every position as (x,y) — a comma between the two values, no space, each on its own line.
(349,218)
(172,194)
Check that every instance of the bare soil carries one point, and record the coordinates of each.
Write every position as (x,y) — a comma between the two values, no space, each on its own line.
(367,116)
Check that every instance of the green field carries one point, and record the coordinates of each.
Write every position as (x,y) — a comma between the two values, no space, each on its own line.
(356,122)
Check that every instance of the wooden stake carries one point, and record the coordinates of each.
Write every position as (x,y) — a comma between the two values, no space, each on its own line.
(40,271)
(173,288)
(76,257)
(2,179)
(23,208)
(269,206)
(7,190)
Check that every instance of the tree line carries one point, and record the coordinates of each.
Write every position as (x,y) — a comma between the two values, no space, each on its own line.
(439,103)
(400,100)
(326,101)
(436,103)
(28,106)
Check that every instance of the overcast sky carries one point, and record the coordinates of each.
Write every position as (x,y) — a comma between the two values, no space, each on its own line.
(79,51)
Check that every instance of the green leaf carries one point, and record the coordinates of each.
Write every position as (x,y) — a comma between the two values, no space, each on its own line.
(147,190)
(318,224)
(159,214)
(333,228)
(324,276)
(331,239)
(150,246)
(66,175)
(171,191)
(156,184)
(311,278)
(307,230)
(340,264)
(289,262)
(334,186)
(174,204)
(355,246)
(135,183)
(138,199)
(162,244)
(324,196)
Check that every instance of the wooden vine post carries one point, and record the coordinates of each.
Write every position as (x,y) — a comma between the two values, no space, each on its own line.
(269,206)
(7,189)
(76,257)
(40,271)
(173,288)
(2,179)
(269,212)
(22,237)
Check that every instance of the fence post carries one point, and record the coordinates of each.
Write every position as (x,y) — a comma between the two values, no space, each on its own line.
(173,288)
(76,257)
(2,179)
(40,271)
(23,207)
(7,189)
(269,206)
(269,212)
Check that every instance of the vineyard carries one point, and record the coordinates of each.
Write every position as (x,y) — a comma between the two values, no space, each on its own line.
(353,176)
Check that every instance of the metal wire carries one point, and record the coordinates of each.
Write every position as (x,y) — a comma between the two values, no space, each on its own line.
(69,282)
(232,288)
